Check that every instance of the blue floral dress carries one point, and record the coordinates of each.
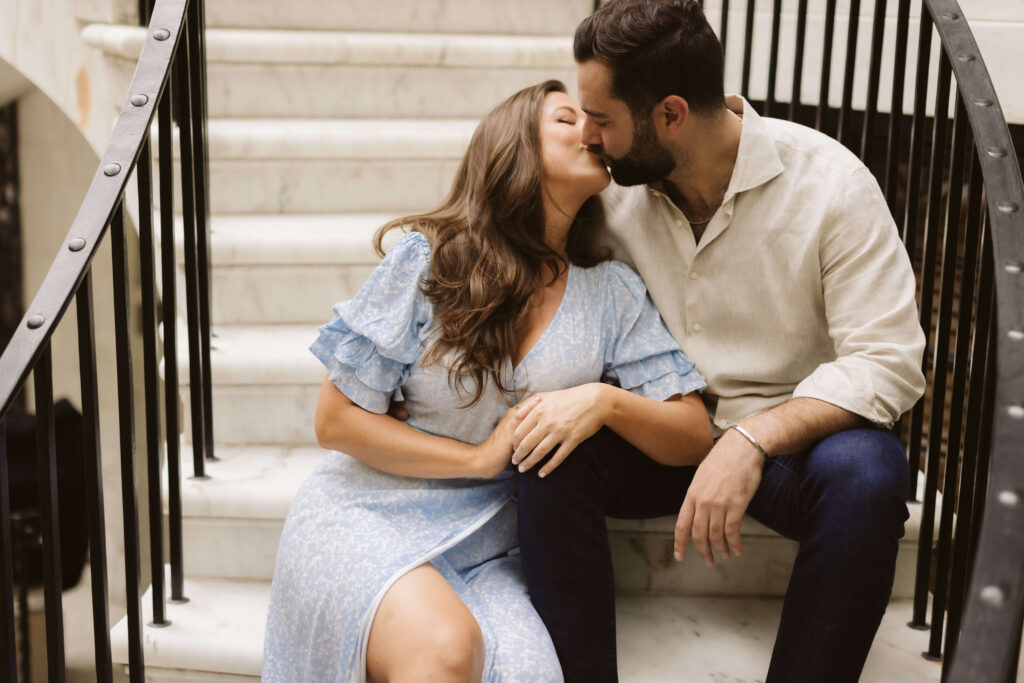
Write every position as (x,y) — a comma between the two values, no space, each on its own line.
(353,531)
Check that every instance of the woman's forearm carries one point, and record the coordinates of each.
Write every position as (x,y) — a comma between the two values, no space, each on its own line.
(388,444)
(672,432)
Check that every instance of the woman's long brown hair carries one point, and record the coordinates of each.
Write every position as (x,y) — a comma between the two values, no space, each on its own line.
(487,243)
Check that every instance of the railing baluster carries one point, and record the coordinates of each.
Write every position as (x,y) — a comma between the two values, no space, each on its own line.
(182,99)
(798,60)
(951,240)
(966,367)
(891,180)
(126,424)
(724,31)
(826,66)
(147,269)
(197,60)
(10,669)
(49,517)
(935,180)
(986,321)
(93,478)
(748,42)
(773,58)
(848,70)
(170,342)
(918,137)
(874,74)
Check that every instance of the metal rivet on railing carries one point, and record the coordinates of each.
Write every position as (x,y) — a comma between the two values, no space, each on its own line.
(140,100)
(161,34)
(993,596)
(35,322)
(1013,268)
(112,170)
(1016,335)
(1016,412)
(950,16)
(983,102)
(966,57)
(1007,207)
(77,244)
(996,152)
(1009,498)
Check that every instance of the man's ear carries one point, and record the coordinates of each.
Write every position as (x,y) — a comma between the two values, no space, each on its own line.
(670,115)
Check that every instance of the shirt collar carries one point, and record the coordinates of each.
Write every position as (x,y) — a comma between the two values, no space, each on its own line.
(758,160)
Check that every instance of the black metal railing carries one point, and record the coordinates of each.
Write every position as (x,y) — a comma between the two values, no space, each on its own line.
(169,82)
(955,189)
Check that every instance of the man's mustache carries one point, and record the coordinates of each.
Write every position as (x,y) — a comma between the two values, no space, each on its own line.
(598,150)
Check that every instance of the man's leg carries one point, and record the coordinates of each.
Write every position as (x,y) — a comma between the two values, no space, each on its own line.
(845,502)
(564,543)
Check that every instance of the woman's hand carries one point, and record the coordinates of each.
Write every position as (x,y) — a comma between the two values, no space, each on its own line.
(492,456)
(558,418)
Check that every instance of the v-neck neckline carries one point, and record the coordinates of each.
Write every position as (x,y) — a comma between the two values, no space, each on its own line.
(554,319)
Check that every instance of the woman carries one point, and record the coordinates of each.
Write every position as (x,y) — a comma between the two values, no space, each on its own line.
(398,559)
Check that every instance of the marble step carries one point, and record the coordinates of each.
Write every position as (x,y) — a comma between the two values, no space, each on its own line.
(287,268)
(303,166)
(463,16)
(232,523)
(265,383)
(330,74)
(218,636)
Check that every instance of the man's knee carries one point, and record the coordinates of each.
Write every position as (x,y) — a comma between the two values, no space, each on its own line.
(581,469)
(868,464)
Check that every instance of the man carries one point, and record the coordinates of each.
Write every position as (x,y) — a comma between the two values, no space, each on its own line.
(774,261)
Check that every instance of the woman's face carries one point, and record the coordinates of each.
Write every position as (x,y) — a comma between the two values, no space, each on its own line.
(568,166)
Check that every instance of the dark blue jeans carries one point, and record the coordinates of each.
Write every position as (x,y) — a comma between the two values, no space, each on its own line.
(844,500)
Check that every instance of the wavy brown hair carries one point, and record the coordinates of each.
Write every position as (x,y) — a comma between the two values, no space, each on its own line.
(487,243)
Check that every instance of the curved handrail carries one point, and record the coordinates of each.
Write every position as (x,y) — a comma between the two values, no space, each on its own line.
(990,629)
(108,185)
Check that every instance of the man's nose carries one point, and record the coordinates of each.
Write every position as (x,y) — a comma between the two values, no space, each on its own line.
(590,136)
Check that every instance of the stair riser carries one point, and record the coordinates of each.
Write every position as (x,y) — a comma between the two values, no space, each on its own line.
(280,294)
(397,186)
(470,16)
(259,414)
(644,565)
(643,562)
(327,91)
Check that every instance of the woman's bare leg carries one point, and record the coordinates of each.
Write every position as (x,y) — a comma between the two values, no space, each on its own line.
(424,632)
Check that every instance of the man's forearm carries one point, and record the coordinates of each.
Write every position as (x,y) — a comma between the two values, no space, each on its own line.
(798,424)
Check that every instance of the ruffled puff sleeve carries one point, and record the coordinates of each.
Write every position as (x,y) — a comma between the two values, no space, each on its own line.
(375,338)
(642,356)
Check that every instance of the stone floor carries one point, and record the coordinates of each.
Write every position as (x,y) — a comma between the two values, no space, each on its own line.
(664,639)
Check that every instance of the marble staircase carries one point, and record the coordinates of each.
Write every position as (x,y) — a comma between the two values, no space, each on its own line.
(327,119)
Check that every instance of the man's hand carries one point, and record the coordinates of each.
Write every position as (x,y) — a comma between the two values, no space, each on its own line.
(718,498)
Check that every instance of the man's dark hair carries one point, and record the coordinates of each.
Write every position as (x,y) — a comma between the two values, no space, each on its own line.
(655,48)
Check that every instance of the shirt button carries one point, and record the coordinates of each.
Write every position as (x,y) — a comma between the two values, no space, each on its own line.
(693,276)
(679,222)
(697,327)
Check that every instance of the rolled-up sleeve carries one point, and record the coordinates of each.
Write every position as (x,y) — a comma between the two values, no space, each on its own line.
(868,288)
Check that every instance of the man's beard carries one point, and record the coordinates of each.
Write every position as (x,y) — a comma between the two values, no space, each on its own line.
(647,160)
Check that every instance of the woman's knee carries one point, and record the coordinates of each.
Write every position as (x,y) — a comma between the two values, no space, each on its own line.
(423,631)
(449,651)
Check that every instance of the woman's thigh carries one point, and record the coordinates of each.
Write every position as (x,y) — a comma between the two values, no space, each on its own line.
(422,627)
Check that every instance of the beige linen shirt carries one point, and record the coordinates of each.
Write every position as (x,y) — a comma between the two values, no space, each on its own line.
(800,286)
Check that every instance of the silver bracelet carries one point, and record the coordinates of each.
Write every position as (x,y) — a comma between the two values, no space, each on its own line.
(750,437)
